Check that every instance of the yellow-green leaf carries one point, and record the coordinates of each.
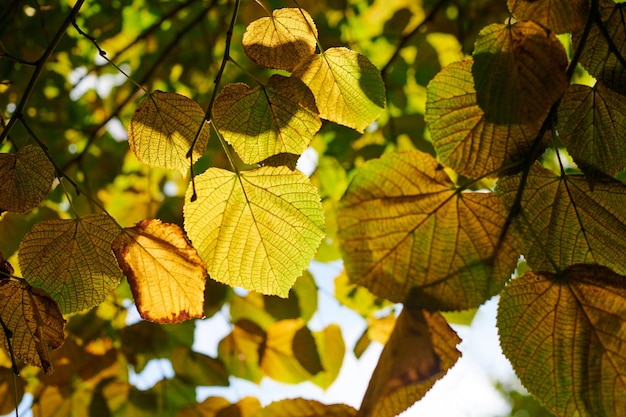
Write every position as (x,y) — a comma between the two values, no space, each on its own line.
(356,297)
(331,349)
(163,128)
(25,179)
(589,121)
(299,407)
(221,407)
(565,336)
(32,323)
(71,260)
(257,229)
(348,88)
(465,140)
(405,228)
(240,350)
(519,72)
(557,15)
(420,351)
(281,41)
(165,273)
(565,221)
(261,122)
(198,369)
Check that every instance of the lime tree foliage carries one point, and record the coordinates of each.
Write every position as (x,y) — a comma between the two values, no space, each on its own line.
(149,157)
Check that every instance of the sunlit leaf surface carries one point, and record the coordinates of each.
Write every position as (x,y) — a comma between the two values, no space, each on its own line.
(163,128)
(165,273)
(331,349)
(281,41)
(72,260)
(348,88)
(404,227)
(25,179)
(257,230)
(299,407)
(557,15)
(240,351)
(566,338)
(264,121)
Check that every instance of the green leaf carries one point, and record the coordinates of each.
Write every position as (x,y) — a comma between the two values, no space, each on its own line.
(564,336)
(265,121)
(72,260)
(519,71)
(25,179)
(198,369)
(356,297)
(299,407)
(557,15)
(348,88)
(163,128)
(589,120)
(564,221)
(405,228)
(462,135)
(258,229)
(421,350)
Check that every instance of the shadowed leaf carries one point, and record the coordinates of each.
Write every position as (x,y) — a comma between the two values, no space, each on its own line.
(557,15)
(162,129)
(281,41)
(266,121)
(420,351)
(405,228)
(10,388)
(564,335)
(221,407)
(25,179)
(71,260)
(331,349)
(257,230)
(240,351)
(198,369)
(164,271)
(299,407)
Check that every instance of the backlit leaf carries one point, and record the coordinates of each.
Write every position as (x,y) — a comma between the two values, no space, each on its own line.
(240,350)
(420,351)
(281,41)
(163,128)
(72,260)
(519,71)
(258,229)
(299,407)
(10,388)
(198,369)
(565,336)
(164,271)
(331,349)
(25,179)
(405,229)
(557,15)
(221,407)
(34,321)
(265,121)
(589,121)
(564,221)
(348,88)
(356,297)
(461,134)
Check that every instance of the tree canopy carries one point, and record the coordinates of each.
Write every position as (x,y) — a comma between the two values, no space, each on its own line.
(461,150)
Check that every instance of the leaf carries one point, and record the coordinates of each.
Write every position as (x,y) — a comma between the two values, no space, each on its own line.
(564,335)
(71,260)
(348,88)
(557,15)
(221,407)
(404,228)
(421,350)
(163,128)
(32,323)
(299,407)
(589,121)
(565,221)
(257,229)
(25,179)
(265,121)
(603,61)
(165,273)
(281,41)
(198,369)
(357,298)
(10,388)
(240,351)
(519,72)
(463,137)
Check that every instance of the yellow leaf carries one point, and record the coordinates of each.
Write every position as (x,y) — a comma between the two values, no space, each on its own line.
(281,41)
(565,336)
(331,348)
(31,323)
(10,388)
(266,121)
(165,273)
(406,230)
(72,260)
(163,128)
(421,350)
(221,407)
(258,229)
(25,179)
(558,15)
(348,88)
(299,407)
(240,350)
